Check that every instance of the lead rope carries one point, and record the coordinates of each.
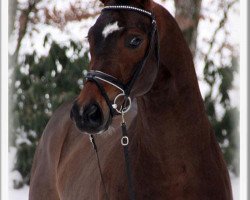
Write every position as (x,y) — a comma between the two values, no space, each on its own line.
(124,142)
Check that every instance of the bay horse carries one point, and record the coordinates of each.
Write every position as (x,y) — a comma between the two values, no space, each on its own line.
(138,53)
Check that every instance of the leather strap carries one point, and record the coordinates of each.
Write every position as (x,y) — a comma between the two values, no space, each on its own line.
(98,76)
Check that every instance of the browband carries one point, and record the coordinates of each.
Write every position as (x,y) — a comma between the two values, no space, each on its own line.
(131,8)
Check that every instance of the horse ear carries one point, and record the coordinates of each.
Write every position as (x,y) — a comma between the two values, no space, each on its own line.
(104,1)
(143,3)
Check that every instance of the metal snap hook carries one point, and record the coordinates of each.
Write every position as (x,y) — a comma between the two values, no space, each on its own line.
(122,109)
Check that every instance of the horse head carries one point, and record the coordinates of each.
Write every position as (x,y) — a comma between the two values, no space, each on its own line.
(124,63)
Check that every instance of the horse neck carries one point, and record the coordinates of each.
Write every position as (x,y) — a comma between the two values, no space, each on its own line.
(172,143)
(172,112)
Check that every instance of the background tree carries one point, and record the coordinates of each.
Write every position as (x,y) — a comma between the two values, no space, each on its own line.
(40,82)
(51,81)
(218,76)
(187,15)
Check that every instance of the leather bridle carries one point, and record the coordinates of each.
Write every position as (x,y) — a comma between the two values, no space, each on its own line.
(98,77)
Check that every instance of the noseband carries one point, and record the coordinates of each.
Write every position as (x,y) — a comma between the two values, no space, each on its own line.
(98,76)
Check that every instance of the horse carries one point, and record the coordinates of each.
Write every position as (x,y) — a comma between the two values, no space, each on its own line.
(139,59)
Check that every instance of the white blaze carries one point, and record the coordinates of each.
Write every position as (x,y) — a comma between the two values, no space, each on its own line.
(110,28)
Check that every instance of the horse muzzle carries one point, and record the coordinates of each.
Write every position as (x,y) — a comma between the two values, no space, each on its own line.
(89,118)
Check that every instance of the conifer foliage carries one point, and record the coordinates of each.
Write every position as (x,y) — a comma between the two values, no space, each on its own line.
(40,87)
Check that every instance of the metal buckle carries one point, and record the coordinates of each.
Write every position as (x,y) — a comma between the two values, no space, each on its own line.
(121,109)
(124,140)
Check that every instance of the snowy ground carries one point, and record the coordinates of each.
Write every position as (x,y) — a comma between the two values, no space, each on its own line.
(236,187)
(22,194)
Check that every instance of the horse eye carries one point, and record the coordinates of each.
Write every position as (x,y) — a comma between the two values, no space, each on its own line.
(135,42)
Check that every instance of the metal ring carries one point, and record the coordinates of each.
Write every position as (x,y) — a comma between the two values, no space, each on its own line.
(122,110)
(124,140)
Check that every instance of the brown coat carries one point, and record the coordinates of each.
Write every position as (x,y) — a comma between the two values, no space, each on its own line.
(174,153)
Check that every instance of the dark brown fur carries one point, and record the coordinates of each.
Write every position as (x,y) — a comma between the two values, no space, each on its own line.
(174,153)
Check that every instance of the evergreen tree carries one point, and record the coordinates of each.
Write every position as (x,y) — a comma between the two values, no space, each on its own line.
(41,86)
(225,124)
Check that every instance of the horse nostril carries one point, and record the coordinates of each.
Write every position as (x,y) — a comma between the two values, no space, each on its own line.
(93,115)
(91,110)
(88,118)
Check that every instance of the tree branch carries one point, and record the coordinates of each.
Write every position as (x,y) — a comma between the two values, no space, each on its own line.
(187,15)
(220,26)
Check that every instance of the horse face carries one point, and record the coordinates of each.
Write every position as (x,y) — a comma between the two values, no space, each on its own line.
(118,43)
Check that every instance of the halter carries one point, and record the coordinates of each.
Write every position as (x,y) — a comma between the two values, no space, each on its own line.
(97,77)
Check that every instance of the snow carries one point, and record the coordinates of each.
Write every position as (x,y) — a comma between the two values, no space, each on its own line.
(34,38)
(15,177)
(235,181)
(19,194)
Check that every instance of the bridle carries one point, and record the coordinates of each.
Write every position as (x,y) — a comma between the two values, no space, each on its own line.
(98,77)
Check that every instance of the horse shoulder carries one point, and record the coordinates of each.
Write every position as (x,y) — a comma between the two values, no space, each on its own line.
(43,183)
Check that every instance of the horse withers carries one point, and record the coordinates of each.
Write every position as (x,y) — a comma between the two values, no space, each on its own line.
(138,54)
